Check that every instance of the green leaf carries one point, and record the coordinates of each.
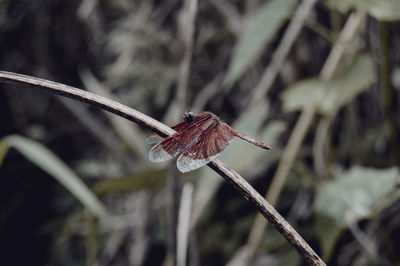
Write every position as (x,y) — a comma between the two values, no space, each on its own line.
(48,162)
(386,10)
(148,179)
(3,151)
(260,32)
(357,194)
(330,96)
(303,93)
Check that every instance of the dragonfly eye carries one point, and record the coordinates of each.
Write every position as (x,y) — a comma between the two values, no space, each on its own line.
(188,117)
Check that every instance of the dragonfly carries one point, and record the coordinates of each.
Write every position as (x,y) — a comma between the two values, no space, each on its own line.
(198,140)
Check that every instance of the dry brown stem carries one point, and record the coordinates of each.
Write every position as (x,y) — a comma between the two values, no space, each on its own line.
(238,182)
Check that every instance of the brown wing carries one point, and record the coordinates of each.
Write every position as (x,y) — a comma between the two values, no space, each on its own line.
(177,143)
(155,138)
(210,144)
(166,149)
(181,126)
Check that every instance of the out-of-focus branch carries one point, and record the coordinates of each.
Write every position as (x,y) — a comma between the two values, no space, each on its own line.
(206,93)
(350,29)
(185,212)
(386,86)
(282,51)
(238,182)
(176,108)
(186,33)
(232,16)
(320,147)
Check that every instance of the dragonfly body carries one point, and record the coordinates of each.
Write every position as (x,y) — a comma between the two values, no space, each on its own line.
(198,140)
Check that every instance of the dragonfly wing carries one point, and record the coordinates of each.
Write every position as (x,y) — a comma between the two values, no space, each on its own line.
(154,138)
(179,127)
(210,144)
(186,164)
(165,150)
(185,137)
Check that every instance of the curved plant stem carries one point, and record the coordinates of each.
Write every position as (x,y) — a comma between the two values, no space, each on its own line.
(268,212)
(238,182)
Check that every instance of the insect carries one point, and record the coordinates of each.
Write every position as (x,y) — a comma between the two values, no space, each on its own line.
(198,140)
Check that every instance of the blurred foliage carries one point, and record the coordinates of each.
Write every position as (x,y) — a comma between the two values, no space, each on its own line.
(356,194)
(259,33)
(45,159)
(330,96)
(131,51)
(387,10)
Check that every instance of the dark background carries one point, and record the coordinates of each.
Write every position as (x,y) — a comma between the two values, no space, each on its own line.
(131,51)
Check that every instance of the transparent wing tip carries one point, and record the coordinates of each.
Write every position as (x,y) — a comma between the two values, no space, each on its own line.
(186,164)
(154,138)
(158,154)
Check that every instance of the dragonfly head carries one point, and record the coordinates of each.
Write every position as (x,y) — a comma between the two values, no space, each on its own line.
(188,117)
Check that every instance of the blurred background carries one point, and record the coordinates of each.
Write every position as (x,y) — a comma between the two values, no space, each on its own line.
(318,81)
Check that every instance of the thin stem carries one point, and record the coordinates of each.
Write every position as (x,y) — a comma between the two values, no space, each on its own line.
(173,188)
(128,132)
(90,98)
(185,212)
(238,182)
(320,147)
(186,27)
(268,212)
(186,37)
(232,16)
(386,86)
